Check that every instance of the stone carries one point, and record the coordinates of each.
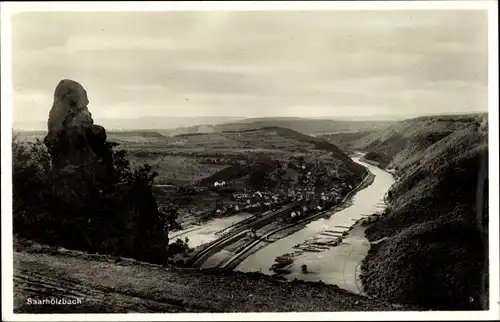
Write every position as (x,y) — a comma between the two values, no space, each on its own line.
(77,146)
(69,108)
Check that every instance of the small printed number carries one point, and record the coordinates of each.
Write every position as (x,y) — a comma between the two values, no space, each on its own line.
(471,299)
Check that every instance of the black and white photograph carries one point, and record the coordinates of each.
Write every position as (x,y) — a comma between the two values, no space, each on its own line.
(257,160)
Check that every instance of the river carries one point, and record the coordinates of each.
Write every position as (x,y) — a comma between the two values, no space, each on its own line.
(337,265)
(334,265)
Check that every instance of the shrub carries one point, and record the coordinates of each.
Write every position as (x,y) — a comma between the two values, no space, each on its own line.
(30,172)
(179,248)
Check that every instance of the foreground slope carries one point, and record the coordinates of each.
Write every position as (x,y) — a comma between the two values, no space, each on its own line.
(435,253)
(114,285)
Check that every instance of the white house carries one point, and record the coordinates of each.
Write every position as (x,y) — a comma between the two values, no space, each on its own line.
(219,184)
(258,194)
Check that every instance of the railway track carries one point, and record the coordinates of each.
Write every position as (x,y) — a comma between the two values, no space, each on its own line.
(240,223)
(234,261)
(198,259)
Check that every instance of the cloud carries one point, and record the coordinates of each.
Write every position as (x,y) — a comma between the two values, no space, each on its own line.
(253,63)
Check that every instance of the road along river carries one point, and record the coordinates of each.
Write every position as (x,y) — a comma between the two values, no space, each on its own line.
(337,265)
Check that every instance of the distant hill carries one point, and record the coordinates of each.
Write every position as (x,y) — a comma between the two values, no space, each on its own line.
(302,125)
(436,251)
(268,144)
(171,126)
(268,138)
(344,140)
(163,122)
(139,123)
(398,142)
(276,143)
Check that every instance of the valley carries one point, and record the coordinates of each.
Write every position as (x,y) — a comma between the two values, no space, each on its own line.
(271,200)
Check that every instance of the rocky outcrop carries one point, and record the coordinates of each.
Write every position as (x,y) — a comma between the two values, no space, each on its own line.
(77,146)
(92,206)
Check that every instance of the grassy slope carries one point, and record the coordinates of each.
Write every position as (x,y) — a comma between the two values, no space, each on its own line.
(288,143)
(435,254)
(344,140)
(406,140)
(262,144)
(308,126)
(112,285)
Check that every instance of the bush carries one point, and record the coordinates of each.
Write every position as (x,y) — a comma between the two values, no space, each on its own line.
(30,172)
(179,248)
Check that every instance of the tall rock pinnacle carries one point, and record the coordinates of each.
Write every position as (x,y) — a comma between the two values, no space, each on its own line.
(91,206)
(72,137)
(74,142)
(69,108)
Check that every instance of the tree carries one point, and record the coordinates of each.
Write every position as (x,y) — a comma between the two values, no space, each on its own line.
(172,216)
(304,269)
(257,178)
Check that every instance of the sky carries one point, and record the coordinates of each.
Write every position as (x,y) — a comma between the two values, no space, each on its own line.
(253,64)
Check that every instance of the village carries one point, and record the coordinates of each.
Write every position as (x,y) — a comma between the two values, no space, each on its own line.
(314,183)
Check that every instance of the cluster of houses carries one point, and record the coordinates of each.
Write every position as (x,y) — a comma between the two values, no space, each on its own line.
(305,189)
(266,200)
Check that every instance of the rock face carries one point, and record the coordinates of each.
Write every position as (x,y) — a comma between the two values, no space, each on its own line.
(72,139)
(69,108)
(95,208)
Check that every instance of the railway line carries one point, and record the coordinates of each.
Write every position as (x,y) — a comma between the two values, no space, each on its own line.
(199,258)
